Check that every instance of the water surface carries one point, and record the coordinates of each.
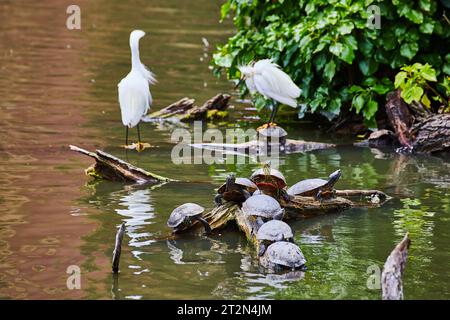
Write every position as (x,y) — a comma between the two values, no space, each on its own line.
(58,87)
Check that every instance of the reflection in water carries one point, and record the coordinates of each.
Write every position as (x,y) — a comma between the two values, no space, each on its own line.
(136,207)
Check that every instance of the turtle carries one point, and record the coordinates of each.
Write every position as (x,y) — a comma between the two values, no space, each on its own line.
(235,189)
(283,255)
(273,134)
(270,181)
(263,207)
(318,188)
(183,216)
(273,231)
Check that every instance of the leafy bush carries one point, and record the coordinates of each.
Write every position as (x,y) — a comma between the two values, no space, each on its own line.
(414,82)
(330,52)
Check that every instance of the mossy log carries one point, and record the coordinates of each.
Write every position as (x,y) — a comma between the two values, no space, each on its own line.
(111,168)
(186,110)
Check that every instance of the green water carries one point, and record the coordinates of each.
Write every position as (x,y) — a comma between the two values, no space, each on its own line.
(59,88)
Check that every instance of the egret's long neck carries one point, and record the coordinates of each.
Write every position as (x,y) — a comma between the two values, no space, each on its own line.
(135,60)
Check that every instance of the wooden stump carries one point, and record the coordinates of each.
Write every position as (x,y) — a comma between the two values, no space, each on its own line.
(391,277)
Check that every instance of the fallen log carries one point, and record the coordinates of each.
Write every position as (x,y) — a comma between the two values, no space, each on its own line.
(186,110)
(432,134)
(108,167)
(391,277)
(258,148)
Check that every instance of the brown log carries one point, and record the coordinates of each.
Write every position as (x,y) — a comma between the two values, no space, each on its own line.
(399,117)
(186,110)
(391,277)
(108,167)
(432,134)
(118,248)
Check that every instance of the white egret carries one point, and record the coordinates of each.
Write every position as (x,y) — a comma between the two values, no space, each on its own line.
(269,80)
(134,93)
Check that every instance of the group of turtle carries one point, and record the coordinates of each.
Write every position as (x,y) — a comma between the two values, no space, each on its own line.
(260,198)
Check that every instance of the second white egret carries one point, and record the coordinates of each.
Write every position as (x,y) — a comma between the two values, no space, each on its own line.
(135,98)
(268,79)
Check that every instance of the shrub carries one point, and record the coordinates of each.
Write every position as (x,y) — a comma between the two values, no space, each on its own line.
(330,52)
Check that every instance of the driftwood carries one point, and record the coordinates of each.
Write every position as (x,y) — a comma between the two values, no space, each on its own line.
(391,277)
(186,110)
(108,167)
(258,147)
(118,248)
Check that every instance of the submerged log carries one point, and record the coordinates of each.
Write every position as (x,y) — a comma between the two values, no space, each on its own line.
(391,277)
(108,167)
(186,110)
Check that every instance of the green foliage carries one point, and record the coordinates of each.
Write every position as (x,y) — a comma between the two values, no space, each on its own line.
(328,50)
(414,82)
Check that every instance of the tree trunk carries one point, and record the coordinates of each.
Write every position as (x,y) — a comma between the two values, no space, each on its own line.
(399,118)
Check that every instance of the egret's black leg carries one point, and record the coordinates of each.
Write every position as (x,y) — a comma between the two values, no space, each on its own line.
(274,112)
(126,135)
(139,133)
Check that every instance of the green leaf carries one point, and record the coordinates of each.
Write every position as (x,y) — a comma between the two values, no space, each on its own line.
(409,50)
(400,79)
(428,73)
(425,101)
(358,102)
(368,66)
(336,48)
(370,109)
(427,27)
(345,28)
(413,93)
(381,89)
(330,70)
(335,106)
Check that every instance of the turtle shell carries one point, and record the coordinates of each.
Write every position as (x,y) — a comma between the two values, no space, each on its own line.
(274,230)
(273,132)
(180,213)
(308,187)
(261,205)
(284,254)
(259,176)
(239,183)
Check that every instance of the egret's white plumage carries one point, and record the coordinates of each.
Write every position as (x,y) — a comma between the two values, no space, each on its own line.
(134,93)
(269,80)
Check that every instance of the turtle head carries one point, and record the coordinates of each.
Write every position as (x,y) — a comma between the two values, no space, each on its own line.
(266,168)
(334,177)
(230,181)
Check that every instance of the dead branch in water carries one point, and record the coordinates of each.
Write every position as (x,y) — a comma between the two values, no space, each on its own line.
(118,248)
(185,110)
(108,167)
(391,277)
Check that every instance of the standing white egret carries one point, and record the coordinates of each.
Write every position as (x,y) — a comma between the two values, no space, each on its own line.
(134,93)
(269,80)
